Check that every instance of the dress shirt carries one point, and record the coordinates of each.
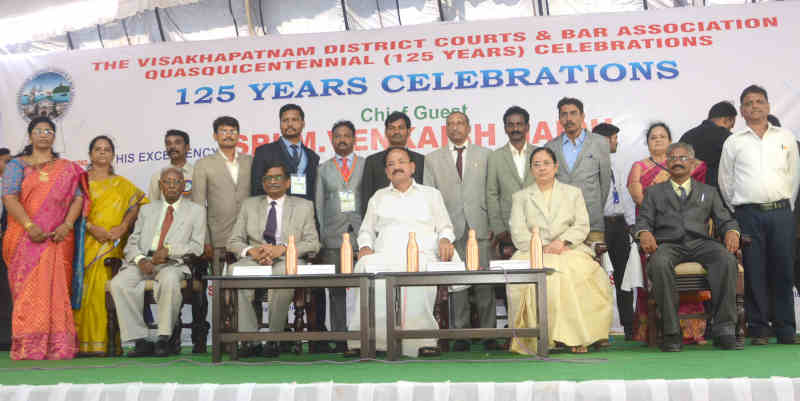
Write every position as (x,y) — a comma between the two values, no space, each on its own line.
(301,166)
(759,170)
(418,207)
(233,166)
(157,236)
(154,192)
(279,220)
(687,187)
(349,158)
(571,150)
(625,206)
(454,152)
(519,159)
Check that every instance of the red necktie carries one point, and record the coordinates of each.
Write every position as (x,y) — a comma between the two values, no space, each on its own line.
(345,168)
(165,226)
(460,160)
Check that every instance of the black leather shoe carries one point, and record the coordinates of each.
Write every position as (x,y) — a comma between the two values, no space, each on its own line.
(162,348)
(759,341)
(199,348)
(788,340)
(491,345)
(352,353)
(427,352)
(142,348)
(672,343)
(629,334)
(341,346)
(270,350)
(461,346)
(726,342)
(247,350)
(319,347)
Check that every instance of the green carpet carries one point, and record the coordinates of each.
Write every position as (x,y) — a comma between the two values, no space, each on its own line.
(628,361)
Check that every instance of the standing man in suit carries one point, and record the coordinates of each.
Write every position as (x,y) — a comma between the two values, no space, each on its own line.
(165,231)
(583,161)
(398,128)
(672,228)
(260,236)
(337,194)
(758,177)
(301,161)
(708,137)
(176,143)
(221,184)
(459,171)
(508,173)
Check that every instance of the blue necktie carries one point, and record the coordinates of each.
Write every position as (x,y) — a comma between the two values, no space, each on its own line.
(683,194)
(272,224)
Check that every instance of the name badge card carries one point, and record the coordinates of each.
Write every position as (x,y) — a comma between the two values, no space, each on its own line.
(251,271)
(298,184)
(347,201)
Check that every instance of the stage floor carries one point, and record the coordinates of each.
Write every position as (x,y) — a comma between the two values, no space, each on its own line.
(623,361)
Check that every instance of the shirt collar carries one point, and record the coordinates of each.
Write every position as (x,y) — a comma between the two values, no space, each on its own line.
(410,188)
(175,205)
(687,186)
(514,150)
(288,144)
(465,146)
(579,142)
(235,157)
(770,129)
(349,157)
(279,200)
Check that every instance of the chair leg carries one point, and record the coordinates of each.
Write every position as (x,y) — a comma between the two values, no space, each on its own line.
(113,348)
(652,323)
(442,313)
(200,326)
(299,310)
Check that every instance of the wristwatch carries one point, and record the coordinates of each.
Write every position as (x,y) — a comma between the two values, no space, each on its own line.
(567,243)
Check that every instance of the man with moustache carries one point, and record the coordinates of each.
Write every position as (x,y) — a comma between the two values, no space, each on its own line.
(221,184)
(583,161)
(708,137)
(459,171)
(292,152)
(672,228)
(176,143)
(758,177)
(507,174)
(393,212)
(337,188)
(398,128)
(619,214)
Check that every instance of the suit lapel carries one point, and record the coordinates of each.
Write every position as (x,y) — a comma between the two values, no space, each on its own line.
(153,225)
(241,178)
(263,214)
(539,201)
(286,217)
(223,168)
(672,197)
(581,154)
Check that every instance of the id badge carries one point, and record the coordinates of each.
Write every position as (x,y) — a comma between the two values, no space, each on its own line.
(347,201)
(298,184)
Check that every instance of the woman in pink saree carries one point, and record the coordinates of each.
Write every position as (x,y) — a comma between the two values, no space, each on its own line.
(644,173)
(40,192)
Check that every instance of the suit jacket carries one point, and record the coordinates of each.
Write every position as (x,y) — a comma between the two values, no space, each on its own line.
(297,219)
(663,214)
(276,151)
(332,221)
(186,235)
(465,198)
(502,182)
(591,173)
(214,189)
(565,218)
(375,175)
(707,139)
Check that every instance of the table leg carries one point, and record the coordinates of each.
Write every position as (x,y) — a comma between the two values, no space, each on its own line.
(541,309)
(364,307)
(234,301)
(391,315)
(216,311)
(371,314)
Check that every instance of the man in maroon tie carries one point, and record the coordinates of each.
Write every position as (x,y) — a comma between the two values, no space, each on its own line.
(165,231)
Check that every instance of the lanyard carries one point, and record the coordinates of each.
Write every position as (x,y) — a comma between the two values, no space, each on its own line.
(346,177)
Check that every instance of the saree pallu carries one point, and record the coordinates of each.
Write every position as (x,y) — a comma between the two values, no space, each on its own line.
(109,201)
(693,329)
(40,273)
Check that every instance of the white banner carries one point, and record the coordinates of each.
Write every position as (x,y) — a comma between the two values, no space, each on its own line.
(627,68)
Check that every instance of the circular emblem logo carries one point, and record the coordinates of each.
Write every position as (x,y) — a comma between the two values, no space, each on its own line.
(47,93)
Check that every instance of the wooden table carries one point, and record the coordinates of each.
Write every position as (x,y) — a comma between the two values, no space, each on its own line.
(224,328)
(395,281)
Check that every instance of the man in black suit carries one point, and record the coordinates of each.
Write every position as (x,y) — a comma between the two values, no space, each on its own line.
(708,137)
(398,127)
(290,151)
(672,228)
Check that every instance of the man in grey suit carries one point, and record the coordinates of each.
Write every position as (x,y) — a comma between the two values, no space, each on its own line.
(221,184)
(165,231)
(459,172)
(672,228)
(508,173)
(259,237)
(338,211)
(583,161)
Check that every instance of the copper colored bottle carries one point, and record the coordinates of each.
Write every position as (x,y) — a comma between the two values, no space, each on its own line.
(473,257)
(412,254)
(291,257)
(346,255)
(536,249)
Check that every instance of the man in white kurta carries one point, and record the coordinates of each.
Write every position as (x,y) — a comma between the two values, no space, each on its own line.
(392,213)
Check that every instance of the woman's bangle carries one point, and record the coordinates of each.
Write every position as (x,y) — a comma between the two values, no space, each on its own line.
(69,226)
(28,225)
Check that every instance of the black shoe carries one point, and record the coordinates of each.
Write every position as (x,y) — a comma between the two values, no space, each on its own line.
(162,348)
(629,334)
(759,341)
(319,347)
(247,350)
(672,343)
(491,345)
(341,347)
(461,346)
(427,352)
(352,353)
(788,340)
(142,348)
(726,342)
(199,348)
(270,350)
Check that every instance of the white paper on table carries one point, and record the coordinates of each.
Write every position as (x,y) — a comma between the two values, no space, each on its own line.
(509,265)
(445,267)
(254,270)
(316,269)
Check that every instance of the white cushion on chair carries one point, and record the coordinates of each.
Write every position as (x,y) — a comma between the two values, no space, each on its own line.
(695,268)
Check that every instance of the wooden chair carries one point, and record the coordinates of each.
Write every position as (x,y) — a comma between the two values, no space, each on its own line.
(194,294)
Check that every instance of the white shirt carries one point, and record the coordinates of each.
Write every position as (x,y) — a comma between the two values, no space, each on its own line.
(390,212)
(759,170)
(519,159)
(464,152)
(233,166)
(278,220)
(625,205)
(154,192)
(157,236)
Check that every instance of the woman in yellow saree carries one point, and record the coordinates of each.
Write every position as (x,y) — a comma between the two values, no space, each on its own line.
(110,213)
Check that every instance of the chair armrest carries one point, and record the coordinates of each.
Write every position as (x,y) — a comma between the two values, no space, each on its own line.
(115,264)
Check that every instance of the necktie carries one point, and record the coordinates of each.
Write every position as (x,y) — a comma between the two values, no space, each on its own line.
(683,194)
(272,224)
(345,168)
(165,226)
(460,161)
(295,154)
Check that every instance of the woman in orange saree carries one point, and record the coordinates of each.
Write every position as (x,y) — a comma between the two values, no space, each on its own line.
(40,192)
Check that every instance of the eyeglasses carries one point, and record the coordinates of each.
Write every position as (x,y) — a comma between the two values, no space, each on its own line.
(543,164)
(42,131)
(228,132)
(172,183)
(270,178)
(681,158)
